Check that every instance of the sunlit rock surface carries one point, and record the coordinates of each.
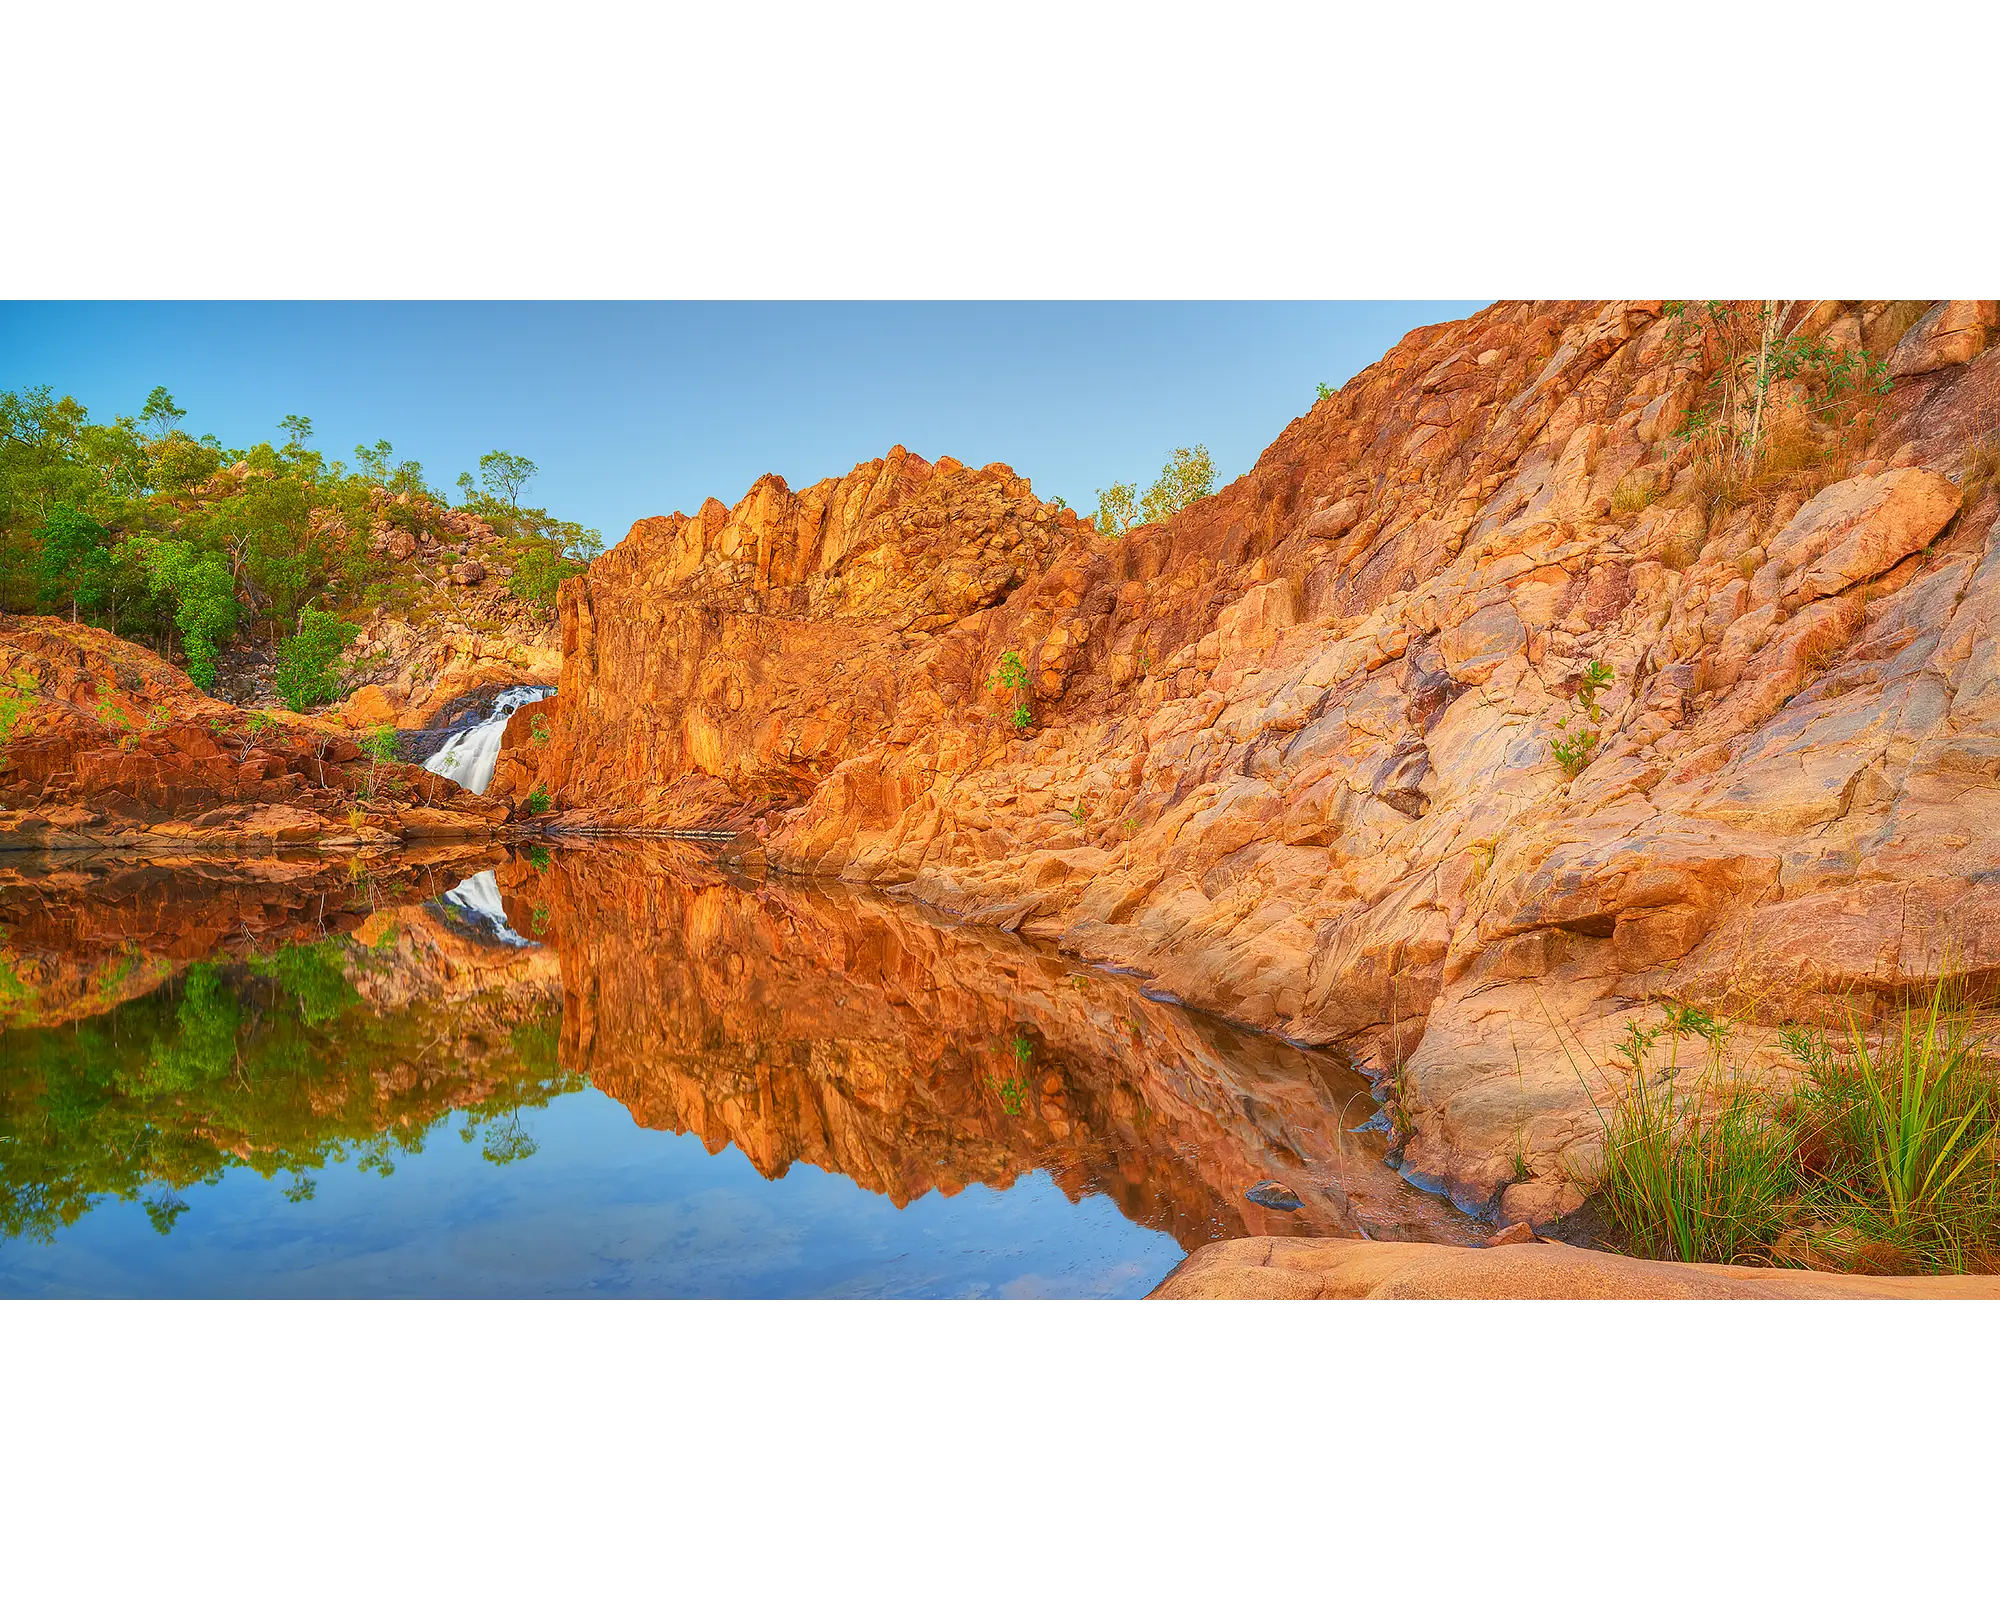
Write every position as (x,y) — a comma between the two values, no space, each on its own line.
(1292,754)
(110,747)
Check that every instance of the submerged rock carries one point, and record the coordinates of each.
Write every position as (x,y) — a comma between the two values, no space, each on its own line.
(1274,1195)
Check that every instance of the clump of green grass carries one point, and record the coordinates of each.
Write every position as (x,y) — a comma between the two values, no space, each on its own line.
(1686,1183)
(1882,1158)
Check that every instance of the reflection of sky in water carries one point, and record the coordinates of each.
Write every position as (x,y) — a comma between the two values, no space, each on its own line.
(603,1207)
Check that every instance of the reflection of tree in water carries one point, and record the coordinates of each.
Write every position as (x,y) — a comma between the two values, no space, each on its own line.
(271,1064)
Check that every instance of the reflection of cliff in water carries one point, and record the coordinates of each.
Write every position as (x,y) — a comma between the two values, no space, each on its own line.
(863,1036)
(164,1023)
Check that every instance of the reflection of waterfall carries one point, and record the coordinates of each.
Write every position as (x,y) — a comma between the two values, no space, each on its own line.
(468,757)
(479,898)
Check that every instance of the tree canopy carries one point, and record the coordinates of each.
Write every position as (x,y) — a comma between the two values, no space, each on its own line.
(185,543)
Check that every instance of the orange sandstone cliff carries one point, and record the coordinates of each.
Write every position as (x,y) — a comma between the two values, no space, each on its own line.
(1294,754)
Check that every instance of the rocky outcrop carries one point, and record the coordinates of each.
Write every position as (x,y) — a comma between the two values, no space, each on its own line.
(416,675)
(1326,752)
(109,747)
(1361,1269)
(724,665)
(458,632)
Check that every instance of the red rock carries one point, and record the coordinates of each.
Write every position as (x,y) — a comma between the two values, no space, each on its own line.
(155,762)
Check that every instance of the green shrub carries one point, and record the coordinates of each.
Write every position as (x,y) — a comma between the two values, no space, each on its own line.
(1573,751)
(1011,677)
(307,675)
(1117,509)
(1187,477)
(539,800)
(204,599)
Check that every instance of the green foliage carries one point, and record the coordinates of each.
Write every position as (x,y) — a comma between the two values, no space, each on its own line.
(539,800)
(1012,673)
(204,601)
(504,475)
(108,711)
(1011,677)
(160,416)
(1595,677)
(1881,1158)
(1690,1187)
(1323,392)
(315,975)
(306,661)
(1696,1021)
(13,706)
(1013,1089)
(543,552)
(1187,477)
(89,513)
(1835,372)
(1923,1111)
(379,746)
(73,566)
(1573,751)
(377,464)
(203,1045)
(152,1101)
(1117,510)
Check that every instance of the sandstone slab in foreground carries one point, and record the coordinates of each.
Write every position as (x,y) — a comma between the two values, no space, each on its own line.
(1368,1269)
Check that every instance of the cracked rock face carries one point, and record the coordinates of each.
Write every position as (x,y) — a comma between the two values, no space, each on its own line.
(1295,754)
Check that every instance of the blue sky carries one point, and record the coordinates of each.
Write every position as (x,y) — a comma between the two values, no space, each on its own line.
(634,409)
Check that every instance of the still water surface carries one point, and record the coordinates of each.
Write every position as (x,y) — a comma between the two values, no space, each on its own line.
(617,1070)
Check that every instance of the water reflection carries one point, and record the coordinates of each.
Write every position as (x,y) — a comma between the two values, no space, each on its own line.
(212,1056)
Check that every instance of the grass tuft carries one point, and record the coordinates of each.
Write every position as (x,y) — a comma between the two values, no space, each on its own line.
(1882,1157)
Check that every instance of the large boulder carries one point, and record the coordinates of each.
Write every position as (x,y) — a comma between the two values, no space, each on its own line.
(1951,333)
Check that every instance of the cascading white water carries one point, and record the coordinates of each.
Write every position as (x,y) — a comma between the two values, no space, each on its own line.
(479,895)
(468,758)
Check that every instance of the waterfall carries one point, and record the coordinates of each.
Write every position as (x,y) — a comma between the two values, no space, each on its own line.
(468,758)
